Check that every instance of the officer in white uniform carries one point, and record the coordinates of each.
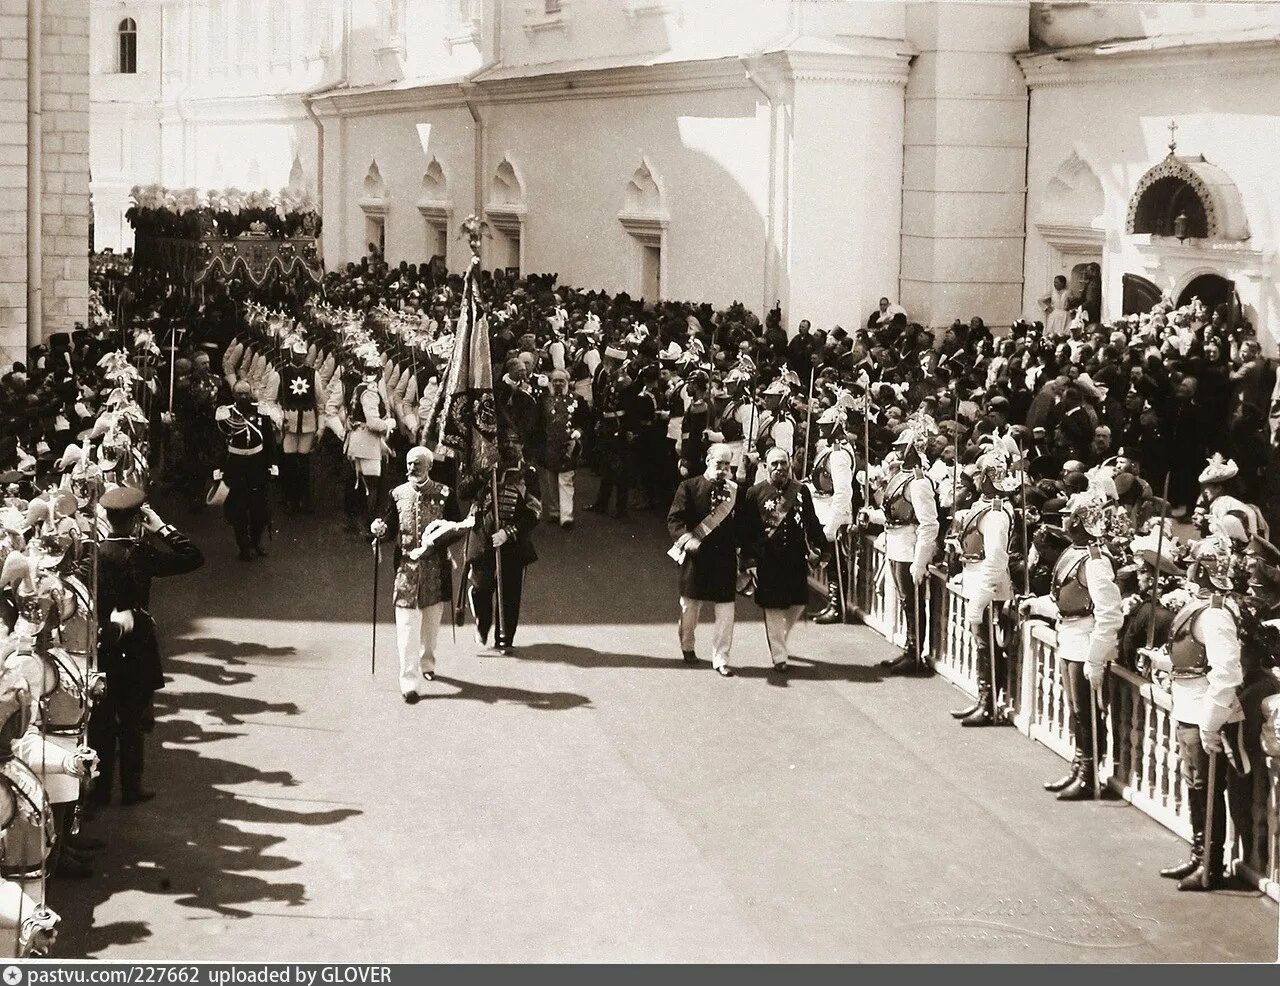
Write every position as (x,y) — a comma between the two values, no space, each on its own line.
(1203,660)
(1085,603)
(831,483)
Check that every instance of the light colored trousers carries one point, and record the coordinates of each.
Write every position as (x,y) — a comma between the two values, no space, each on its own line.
(778,624)
(721,636)
(417,631)
(557,495)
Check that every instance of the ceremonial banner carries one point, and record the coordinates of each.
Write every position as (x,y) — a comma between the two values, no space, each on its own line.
(464,418)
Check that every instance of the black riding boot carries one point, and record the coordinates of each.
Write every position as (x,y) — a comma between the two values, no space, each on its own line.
(1195,804)
(984,713)
(834,611)
(1080,789)
(1064,782)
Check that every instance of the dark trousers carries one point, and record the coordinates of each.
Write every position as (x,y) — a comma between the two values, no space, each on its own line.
(295,480)
(1194,767)
(482,592)
(1083,725)
(985,639)
(118,724)
(615,475)
(246,512)
(362,498)
(911,600)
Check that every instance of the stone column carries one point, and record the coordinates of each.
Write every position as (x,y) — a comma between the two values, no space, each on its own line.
(964,163)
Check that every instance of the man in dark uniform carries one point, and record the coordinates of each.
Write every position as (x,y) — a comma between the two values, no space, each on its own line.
(510,532)
(703,527)
(128,651)
(611,441)
(299,399)
(777,526)
(194,403)
(250,459)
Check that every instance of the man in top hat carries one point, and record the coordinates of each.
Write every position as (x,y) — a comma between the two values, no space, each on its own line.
(705,544)
(909,516)
(423,518)
(984,534)
(300,401)
(506,530)
(1203,659)
(832,485)
(563,418)
(1084,601)
(250,459)
(778,530)
(128,649)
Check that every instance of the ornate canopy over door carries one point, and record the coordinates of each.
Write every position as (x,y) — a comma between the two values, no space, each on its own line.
(1188,187)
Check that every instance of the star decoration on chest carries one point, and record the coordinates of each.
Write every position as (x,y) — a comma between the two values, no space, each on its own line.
(299,386)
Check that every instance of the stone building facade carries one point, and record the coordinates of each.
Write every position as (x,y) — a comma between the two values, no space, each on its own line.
(820,153)
(64,171)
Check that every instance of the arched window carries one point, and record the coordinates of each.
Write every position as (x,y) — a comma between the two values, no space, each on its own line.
(1163,201)
(127,47)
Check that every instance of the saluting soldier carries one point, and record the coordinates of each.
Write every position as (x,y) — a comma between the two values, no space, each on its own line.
(129,651)
(424,519)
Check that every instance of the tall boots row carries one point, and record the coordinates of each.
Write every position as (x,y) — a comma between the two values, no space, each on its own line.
(983,711)
(1203,869)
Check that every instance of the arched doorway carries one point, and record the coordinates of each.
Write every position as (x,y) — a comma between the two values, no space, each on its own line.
(1212,290)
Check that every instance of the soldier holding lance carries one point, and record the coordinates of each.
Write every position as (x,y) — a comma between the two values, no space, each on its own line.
(909,516)
(1084,601)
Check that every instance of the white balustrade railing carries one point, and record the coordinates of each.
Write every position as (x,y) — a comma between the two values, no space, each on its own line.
(1139,750)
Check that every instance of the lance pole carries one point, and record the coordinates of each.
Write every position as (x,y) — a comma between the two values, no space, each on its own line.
(373,648)
(1155,577)
(808,423)
(1211,793)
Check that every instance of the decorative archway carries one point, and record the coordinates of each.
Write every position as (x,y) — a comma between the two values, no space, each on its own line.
(1210,287)
(644,216)
(374,204)
(436,208)
(1190,187)
(506,212)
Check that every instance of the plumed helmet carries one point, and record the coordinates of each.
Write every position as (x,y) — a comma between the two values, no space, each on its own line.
(1214,564)
(15,711)
(1089,512)
(994,475)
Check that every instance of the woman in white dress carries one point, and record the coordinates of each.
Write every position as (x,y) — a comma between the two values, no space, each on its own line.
(1056,310)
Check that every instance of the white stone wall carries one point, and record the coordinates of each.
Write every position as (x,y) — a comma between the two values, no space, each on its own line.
(1098,124)
(65,182)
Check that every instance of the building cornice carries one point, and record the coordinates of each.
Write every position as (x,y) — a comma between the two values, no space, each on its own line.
(239,109)
(1128,62)
(873,64)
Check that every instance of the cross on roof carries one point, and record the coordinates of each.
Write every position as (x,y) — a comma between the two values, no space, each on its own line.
(1173,136)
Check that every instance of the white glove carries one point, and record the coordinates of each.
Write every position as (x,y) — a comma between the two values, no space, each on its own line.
(217,475)
(918,573)
(123,618)
(1095,673)
(831,531)
(274,470)
(378,528)
(500,539)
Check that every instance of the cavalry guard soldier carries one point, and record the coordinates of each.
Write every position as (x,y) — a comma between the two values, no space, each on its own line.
(300,401)
(1203,659)
(1085,601)
(909,516)
(831,481)
(424,519)
(984,536)
(369,421)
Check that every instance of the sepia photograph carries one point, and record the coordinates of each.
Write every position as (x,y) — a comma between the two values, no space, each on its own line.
(651,482)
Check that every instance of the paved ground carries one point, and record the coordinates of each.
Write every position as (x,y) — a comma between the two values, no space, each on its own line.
(593,798)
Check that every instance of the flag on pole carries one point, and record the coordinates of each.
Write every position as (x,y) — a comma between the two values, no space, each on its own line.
(464,418)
